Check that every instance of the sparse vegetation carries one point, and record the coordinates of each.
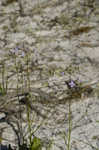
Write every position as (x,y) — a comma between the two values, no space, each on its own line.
(39,78)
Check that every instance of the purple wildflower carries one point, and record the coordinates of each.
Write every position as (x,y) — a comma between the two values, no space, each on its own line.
(72,84)
(16,50)
(63,73)
(23,54)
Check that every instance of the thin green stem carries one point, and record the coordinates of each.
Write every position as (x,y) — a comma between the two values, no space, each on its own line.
(20,123)
(3,78)
(28,107)
(70,127)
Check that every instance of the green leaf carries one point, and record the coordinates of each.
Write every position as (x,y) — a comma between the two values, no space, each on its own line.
(97,121)
(36,145)
(1,140)
(2,90)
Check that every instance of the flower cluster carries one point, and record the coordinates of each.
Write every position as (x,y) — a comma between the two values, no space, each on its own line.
(72,84)
(16,52)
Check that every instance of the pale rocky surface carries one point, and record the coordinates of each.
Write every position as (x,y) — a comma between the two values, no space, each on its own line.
(57,35)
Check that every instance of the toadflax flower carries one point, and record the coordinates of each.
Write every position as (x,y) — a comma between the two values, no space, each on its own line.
(14,51)
(72,84)
(23,54)
(63,73)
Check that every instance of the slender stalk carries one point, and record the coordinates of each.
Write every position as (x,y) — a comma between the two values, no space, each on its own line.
(3,78)
(28,107)
(3,71)
(28,74)
(21,10)
(6,88)
(20,117)
(29,125)
(70,127)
